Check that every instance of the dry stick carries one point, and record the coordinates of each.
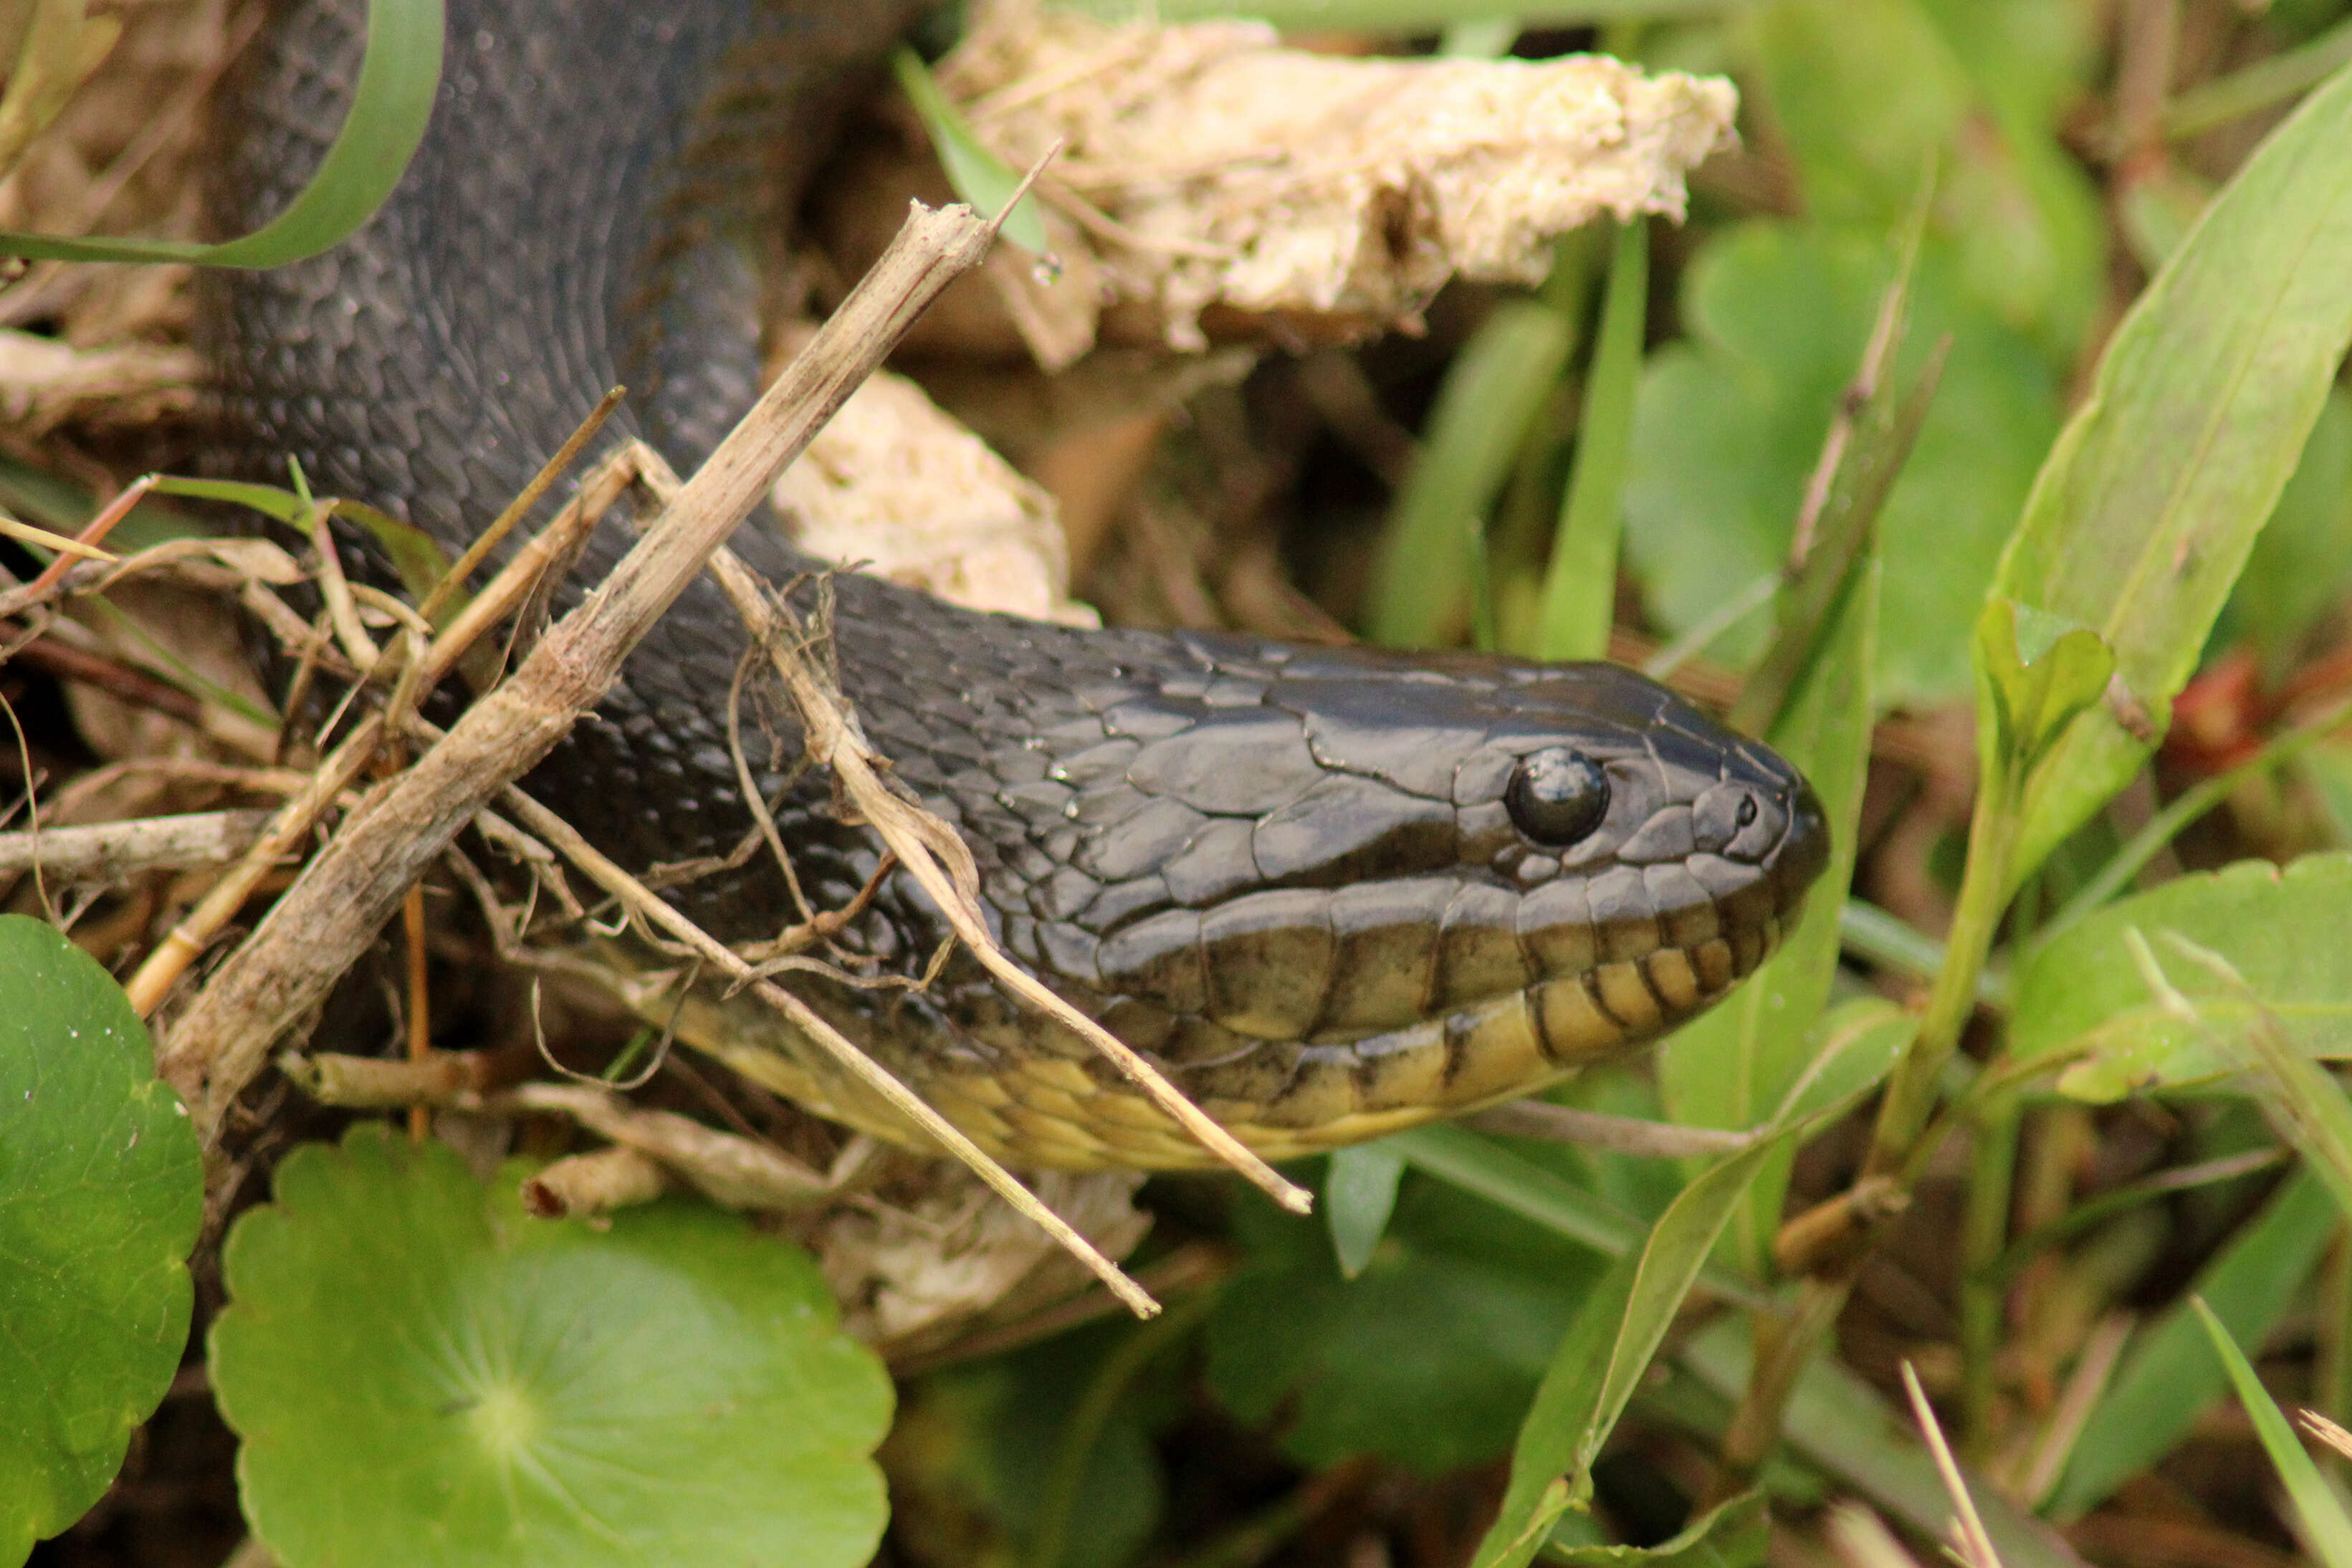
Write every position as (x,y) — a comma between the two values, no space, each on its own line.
(941,861)
(114,850)
(463,568)
(310,937)
(657,911)
(343,765)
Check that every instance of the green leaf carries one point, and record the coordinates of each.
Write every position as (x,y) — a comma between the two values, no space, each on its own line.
(1359,1190)
(1493,389)
(390,107)
(977,174)
(1427,1359)
(102,1191)
(1735,1534)
(2149,502)
(1581,582)
(1974,86)
(1513,1181)
(1731,1067)
(2162,1384)
(421,1374)
(1835,1420)
(2302,562)
(986,1438)
(1594,1371)
(2081,994)
(2326,1529)
(2036,673)
(1728,425)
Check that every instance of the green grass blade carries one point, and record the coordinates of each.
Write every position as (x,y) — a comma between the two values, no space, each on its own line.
(978,175)
(1497,384)
(2144,510)
(1730,1067)
(1480,1165)
(1580,584)
(1359,1192)
(1838,1422)
(1591,1378)
(394,100)
(2302,1099)
(2163,1383)
(2325,1530)
(2259,86)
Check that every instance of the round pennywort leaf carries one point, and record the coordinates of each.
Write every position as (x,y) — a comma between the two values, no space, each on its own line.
(422,1375)
(102,1191)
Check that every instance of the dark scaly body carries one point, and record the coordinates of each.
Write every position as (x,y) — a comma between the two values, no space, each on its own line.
(1314,884)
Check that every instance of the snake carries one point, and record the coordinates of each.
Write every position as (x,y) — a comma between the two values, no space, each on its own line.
(1330,892)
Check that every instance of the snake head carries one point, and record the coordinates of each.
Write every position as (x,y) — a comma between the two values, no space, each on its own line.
(1336,892)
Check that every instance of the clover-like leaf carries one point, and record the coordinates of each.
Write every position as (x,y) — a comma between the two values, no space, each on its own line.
(424,1376)
(101,1190)
(2039,671)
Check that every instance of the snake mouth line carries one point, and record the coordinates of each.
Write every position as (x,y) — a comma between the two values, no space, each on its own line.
(1049,1105)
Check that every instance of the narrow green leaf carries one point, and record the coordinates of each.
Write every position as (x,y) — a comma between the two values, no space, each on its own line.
(1731,1067)
(2162,1384)
(1838,1422)
(2149,502)
(1587,1387)
(977,174)
(271,501)
(1566,1404)
(1735,1534)
(2304,1103)
(390,108)
(1359,1194)
(2325,1530)
(1496,387)
(2257,87)
(1581,583)
(2082,995)
(1480,1165)
(101,1190)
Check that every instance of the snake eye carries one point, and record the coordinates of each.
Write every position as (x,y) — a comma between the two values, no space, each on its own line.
(1556,795)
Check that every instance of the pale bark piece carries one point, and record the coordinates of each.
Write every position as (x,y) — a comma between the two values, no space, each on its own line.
(897,488)
(1213,171)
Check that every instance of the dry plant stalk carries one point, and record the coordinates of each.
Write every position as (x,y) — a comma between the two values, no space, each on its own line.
(1970,1545)
(594,1184)
(314,933)
(115,850)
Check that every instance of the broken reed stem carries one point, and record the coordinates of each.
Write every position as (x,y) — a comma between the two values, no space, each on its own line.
(314,932)
(657,911)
